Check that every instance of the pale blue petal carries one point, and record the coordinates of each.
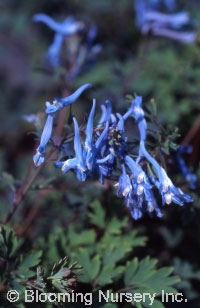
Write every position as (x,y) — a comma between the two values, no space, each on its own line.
(102,136)
(77,142)
(73,97)
(89,128)
(120,125)
(103,115)
(69,164)
(54,50)
(47,131)
(64,28)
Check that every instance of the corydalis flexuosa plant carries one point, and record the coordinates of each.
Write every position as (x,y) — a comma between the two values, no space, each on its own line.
(104,153)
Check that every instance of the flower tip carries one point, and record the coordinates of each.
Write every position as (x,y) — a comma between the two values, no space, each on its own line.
(38,17)
(87,85)
(38,159)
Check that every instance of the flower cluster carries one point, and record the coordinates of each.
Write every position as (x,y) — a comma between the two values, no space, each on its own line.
(104,153)
(68,46)
(150,18)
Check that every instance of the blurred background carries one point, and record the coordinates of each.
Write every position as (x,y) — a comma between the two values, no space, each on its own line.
(165,72)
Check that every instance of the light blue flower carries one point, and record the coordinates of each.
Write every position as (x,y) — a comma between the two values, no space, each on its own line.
(151,18)
(38,158)
(124,186)
(54,51)
(68,27)
(77,163)
(60,103)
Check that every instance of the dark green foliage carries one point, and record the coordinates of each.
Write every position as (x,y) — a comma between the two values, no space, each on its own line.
(102,266)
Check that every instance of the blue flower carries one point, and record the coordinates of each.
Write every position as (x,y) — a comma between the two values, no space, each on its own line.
(168,191)
(124,186)
(89,146)
(38,158)
(140,198)
(106,113)
(150,18)
(77,163)
(103,116)
(137,112)
(54,51)
(68,27)
(60,103)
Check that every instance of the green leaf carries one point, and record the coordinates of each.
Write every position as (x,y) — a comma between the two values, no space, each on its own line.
(143,274)
(130,271)
(115,253)
(9,243)
(97,217)
(108,273)
(32,260)
(115,225)
(82,238)
(90,266)
(28,262)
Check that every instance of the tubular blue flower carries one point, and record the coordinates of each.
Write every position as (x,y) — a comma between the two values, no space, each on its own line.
(107,159)
(106,113)
(120,124)
(124,187)
(89,128)
(137,112)
(151,203)
(102,137)
(68,27)
(103,116)
(53,54)
(60,103)
(38,158)
(76,163)
(150,18)
(169,192)
(141,199)
(113,118)
(186,37)
(89,146)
